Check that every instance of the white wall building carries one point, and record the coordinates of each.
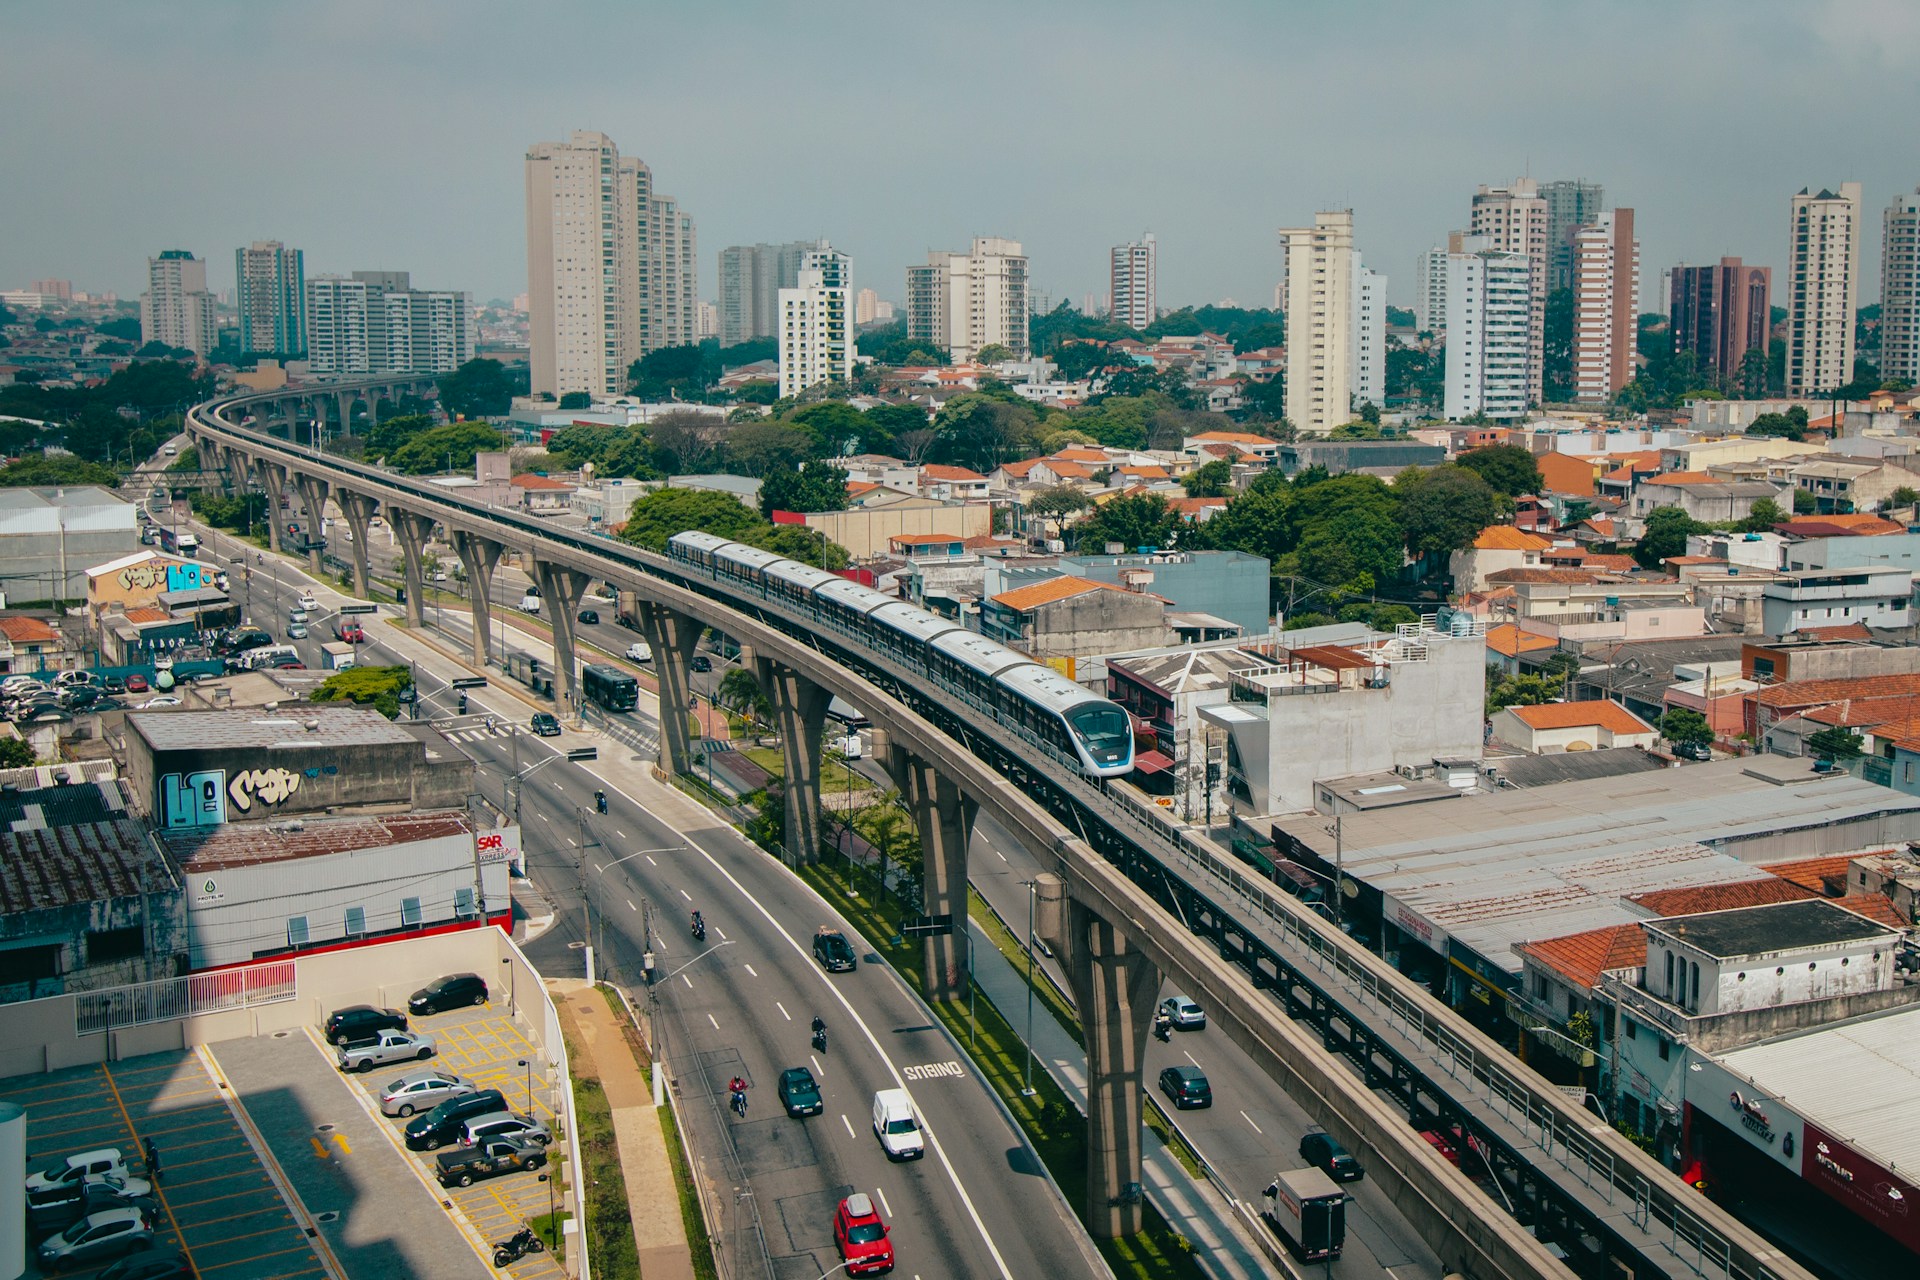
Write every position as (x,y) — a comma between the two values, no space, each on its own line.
(1133,294)
(1321,290)
(1880,597)
(1900,290)
(1488,343)
(1822,284)
(1515,219)
(1606,306)
(815,334)
(176,308)
(962,302)
(1430,285)
(270,291)
(376,322)
(869,307)
(1369,336)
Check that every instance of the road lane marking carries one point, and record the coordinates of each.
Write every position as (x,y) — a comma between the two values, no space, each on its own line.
(1256,1128)
(715,1021)
(846,1122)
(1001,856)
(783,1011)
(621,834)
(947,1070)
(683,892)
(576,844)
(1190,1058)
(689,981)
(749,969)
(630,905)
(722,932)
(543,817)
(822,1073)
(649,858)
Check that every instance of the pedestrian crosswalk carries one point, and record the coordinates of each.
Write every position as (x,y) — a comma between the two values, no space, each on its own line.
(480,732)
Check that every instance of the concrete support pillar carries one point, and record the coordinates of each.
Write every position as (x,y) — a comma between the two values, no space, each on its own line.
(313,495)
(273,477)
(560,592)
(1114,986)
(358,509)
(673,637)
(800,707)
(479,556)
(412,531)
(944,815)
(346,399)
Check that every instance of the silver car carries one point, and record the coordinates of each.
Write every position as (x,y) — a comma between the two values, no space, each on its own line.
(422,1091)
(504,1124)
(97,1238)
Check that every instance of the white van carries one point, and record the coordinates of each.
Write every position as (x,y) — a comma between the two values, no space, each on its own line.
(530,602)
(640,651)
(897,1125)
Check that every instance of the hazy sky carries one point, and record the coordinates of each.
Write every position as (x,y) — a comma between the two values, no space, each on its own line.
(391,133)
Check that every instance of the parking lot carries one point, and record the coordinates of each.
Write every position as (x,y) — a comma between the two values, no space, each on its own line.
(219,1205)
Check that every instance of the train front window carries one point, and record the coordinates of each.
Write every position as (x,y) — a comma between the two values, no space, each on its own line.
(1104,729)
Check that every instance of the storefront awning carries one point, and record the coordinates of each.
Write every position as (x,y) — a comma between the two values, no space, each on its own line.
(1151,762)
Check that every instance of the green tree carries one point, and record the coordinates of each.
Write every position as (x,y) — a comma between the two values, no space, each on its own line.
(797,542)
(1803,503)
(1380,617)
(659,515)
(834,425)
(1444,509)
(1765,514)
(1267,399)
(55,469)
(1683,726)
(1529,690)
(386,436)
(1213,480)
(982,431)
(1837,742)
(885,423)
(1057,502)
(1510,469)
(1777,426)
(450,448)
(376,687)
(480,388)
(576,400)
(15,753)
(763,448)
(993,353)
(814,486)
(1666,536)
(1257,520)
(739,692)
(1556,362)
(1349,533)
(1302,621)
(1138,520)
(1904,496)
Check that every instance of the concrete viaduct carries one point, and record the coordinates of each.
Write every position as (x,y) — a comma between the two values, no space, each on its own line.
(1126,902)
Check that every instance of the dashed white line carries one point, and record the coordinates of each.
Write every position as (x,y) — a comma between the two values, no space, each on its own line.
(783,1011)
(630,905)
(689,981)
(683,892)
(650,859)
(715,1021)
(573,842)
(1003,858)
(543,817)
(717,929)
(1190,1058)
(1256,1128)
(820,1071)
(621,834)
(749,969)
(846,1122)
(883,1201)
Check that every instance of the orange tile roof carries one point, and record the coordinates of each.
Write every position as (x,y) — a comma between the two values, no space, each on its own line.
(857,487)
(1018,470)
(1192,507)
(1578,715)
(1851,631)
(1874,907)
(1068,470)
(531,480)
(1510,641)
(1808,693)
(1602,525)
(1504,537)
(1817,874)
(1232,437)
(1720,897)
(1844,526)
(1082,454)
(28,631)
(1693,559)
(925,539)
(1568,577)
(1062,588)
(940,471)
(1146,473)
(1567,473)
(1583,957)
(146,613)
(1610,564)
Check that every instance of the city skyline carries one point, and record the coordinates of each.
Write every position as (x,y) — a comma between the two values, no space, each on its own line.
(351,190)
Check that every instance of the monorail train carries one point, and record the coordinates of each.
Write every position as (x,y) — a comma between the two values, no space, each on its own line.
(1082,726)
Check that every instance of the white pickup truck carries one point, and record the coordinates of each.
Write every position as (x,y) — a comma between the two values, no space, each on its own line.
(386,1046)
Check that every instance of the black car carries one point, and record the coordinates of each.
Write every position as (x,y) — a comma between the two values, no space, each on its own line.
(700,662)
(1321,1150)
(113,684)
(452,992)
(150,1264)
(238,642)
(442,1125)
(357,1021)
(545,725)
(800,1092)
(590,616)
(1187,1087)
(833,951)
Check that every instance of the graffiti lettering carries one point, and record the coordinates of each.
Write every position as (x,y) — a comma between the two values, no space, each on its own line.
(268,786)
(157,575)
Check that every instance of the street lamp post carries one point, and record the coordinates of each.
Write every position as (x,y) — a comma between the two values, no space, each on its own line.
(513,983)
(1033,891)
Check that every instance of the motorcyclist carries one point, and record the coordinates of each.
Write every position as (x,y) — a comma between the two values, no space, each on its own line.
(698,926)
(820,1034)
(600,801)
(1162,1028)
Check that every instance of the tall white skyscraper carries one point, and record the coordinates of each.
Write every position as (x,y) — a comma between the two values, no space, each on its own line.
(176,308)
(1369,336)
(1489,298)
(816,330)
(751,278)
(1900,290)
(610,266)
(962,302)
(377,322)
(1430,285)
(1822,286)
(1134,292)
(270,286)
(1606,306)
(1322,288)
(1515,219)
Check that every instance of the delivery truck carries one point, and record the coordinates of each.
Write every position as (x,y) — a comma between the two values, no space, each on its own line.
(336,655)
(1309,1211)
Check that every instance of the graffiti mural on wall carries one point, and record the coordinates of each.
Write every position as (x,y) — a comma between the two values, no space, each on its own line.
(268,786)
(157,575)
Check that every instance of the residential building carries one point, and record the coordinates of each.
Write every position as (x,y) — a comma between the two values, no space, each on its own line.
(1066,617)
(1430,284)
(1851,488)
(1606,306)
(1229,586)
(870,308)
(706,321)
(61,289)
(962,302)
(1516,219)
(751,278)
(1822,284)
(1490,355)
(816,329)
(1876,597)
(375,322)
(176,309)
(1383,457)
(1571,726)
(1321,344)
(1900,290)
(1498,547)
(1164,690)
(272,293)
(1132,294)
(1719,314)
(1707,500)
(540,495)
(610,266)
(1369,336)
(1571,205)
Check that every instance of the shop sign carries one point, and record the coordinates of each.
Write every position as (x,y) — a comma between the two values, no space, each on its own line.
(500,845)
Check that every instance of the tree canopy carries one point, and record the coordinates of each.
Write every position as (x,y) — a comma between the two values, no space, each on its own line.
(813,486)
(450,448)
(38,469)
(1508,468)
(480,388)
(659,515)
(377,687)
(1212,480)
(1667,529)
(1444,509)
(1137,520)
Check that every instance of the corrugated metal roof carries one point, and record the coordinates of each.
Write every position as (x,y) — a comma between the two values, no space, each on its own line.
(242,844)
(336,726)
(44,868)
(1873,1058)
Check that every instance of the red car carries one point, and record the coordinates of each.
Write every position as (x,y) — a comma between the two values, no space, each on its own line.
(862,1237)
(136,683)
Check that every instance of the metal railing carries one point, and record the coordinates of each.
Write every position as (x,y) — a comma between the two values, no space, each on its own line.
(194,995)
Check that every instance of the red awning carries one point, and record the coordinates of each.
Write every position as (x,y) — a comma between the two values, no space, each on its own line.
(1151,762)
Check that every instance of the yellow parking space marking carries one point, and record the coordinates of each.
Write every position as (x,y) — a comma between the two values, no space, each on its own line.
(231,1195)
(201,1182)
(240,1217)
(258,1257)
(106,1074)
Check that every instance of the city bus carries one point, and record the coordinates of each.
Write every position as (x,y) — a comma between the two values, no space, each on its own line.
(610,687)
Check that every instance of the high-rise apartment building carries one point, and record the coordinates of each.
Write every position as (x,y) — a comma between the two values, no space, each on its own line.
(610,266)
(1514,219)
(869,308)
(271,292)
(176,308)
(816,329)
(1900,290)
(1369,336)
(751,278)
(1571,205)
(1430,285)
(1719,314)
(61,289)
(1134,292)
(1606,306)
(1322,287)
(706,321)
(1822,285)
(377,322)
(962,302)
(1489,301)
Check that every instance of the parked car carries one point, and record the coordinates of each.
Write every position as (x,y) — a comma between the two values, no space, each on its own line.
(113,684)
(358,1021)
(498,1124)
(442,1125)
(1324,1152)
(59,1208)
(422,1091)
(369,1052)
(454,991)
(591,617)
(1184,1014)
(136,683)
(545,725)
(1186,1087)
(77,1168)
(833,951)
(1693,750)
(96,1238)
(800,1092)
(463,1166)
(164,700)
(860,1235)
(150,1264)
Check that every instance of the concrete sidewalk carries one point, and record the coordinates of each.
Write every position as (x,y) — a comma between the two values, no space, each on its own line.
(653,1201)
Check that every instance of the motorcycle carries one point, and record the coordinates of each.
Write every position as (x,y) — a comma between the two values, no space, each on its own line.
(518,1246)
(600,801)
(698,928)
(739,1103)
(1163,1030)
(819,1036)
